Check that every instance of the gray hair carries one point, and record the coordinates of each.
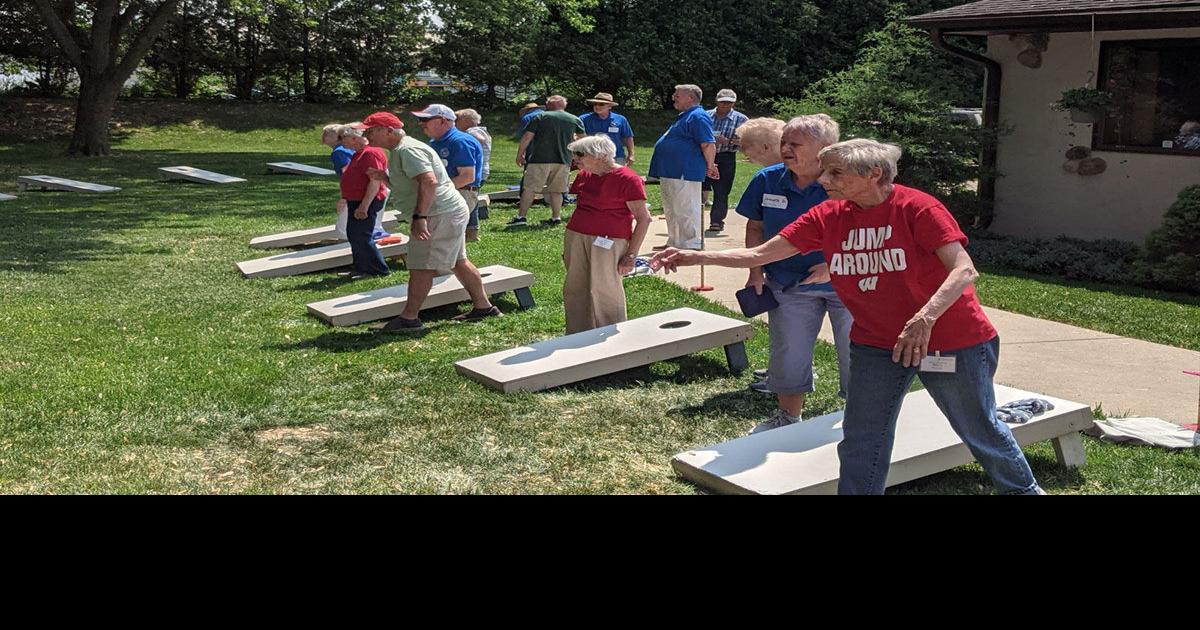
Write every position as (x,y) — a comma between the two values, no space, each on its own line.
(862,154)
(765,131)
(694,90)
(1190,127)
(556,102)
(349,130)
(597,146)
(331,130)
(819,127)
(470,116)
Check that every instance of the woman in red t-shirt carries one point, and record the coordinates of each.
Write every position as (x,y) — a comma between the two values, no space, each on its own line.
(364,198)
(897,261)
(603,236)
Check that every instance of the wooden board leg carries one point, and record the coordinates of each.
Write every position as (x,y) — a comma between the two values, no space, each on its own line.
(735,354)
(524,297)
(1069,450)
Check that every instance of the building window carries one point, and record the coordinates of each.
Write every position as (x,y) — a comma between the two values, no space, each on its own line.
(1156,88)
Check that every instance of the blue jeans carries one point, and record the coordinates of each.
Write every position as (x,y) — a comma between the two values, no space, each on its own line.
(966,397)
(367,258)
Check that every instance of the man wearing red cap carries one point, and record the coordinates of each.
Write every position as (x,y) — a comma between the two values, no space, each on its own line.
(425,195)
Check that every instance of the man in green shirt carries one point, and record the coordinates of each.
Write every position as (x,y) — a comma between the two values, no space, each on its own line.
(549,162)
(425,196)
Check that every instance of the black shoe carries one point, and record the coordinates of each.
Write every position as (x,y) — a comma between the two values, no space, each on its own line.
(404,325)
(552,222)
(517,222)
(716,227)
(477,313)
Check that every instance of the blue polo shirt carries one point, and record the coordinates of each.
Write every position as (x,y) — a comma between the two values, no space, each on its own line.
(616,127)
(340,157)
(677,153)
(524,124)
(772,197)
(459,149)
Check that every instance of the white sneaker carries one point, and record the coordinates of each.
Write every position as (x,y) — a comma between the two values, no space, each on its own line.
(779,419)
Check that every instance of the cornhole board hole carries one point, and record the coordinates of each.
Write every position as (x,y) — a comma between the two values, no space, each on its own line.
(610,349)
(390,302)
(313,235)
(200,176)
(295,168)
(47,182)
(802,458)
(310,260)
(4,197)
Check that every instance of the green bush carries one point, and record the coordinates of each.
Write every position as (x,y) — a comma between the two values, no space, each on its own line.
(889,95)
(1172,258)
(1110,261)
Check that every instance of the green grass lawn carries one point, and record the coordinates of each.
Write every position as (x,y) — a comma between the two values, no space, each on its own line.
(136,359)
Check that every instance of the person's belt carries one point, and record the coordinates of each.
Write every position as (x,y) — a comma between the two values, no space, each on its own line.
(470,188)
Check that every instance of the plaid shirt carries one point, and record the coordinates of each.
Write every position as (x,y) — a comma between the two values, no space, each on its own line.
(727,127)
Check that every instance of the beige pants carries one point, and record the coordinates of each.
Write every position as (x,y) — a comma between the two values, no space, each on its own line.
(681,207)
(593,293)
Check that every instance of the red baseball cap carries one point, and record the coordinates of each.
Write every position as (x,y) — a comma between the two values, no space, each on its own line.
(380,119)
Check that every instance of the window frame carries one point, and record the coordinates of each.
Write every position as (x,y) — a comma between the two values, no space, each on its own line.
(1098,143)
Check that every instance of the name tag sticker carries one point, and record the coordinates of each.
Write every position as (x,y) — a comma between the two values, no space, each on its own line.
(775,201)
(602,243)
(938,363)
(614,130)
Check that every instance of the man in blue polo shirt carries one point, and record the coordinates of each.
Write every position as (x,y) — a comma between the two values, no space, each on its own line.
(603,120)
(776,197)
(528,112)
(683,156)
(461,154)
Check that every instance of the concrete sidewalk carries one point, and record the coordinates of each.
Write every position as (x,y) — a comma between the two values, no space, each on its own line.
(1128,377)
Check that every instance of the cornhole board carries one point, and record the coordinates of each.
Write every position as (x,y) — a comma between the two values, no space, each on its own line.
(47,182)
(610,349)
(505,196)
(200,176)
(296,168)
(313,235)
(4,197)
(802,458)
(390,302)
(310,260)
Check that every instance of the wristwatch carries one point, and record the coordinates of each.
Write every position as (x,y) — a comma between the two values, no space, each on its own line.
(419,216)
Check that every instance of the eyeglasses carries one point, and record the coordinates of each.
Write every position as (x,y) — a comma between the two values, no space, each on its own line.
(578,154)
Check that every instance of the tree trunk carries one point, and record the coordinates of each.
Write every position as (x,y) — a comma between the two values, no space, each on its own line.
(309,96)
(97,99)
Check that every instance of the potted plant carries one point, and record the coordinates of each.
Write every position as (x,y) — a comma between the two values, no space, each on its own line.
(1087,105)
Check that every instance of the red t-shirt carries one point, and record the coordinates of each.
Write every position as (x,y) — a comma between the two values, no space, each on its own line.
(884,268)
(354,176)
(600,209)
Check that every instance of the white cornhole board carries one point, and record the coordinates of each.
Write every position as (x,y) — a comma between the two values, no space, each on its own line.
(4,197)
(507,196)
(296,168)
(313,235)
(197,175)
(390,302)
(47,182)
(310,260)
(802,458)
(610,349)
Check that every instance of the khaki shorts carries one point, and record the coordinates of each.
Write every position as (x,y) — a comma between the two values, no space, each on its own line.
(550,177)
(446,246)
